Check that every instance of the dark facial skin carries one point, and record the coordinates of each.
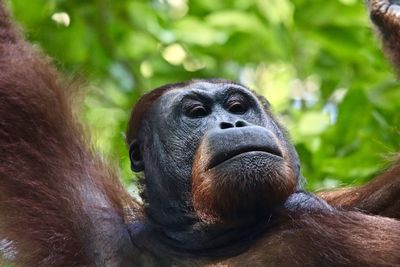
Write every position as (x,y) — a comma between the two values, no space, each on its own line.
(238,145)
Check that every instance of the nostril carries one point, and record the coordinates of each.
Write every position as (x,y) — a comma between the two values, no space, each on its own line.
(226,125)
(241,124)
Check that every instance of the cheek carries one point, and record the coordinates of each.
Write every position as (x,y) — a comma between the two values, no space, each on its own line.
(183,135)
(175,146)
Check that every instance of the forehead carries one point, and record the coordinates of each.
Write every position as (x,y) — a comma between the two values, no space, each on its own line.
(210,89)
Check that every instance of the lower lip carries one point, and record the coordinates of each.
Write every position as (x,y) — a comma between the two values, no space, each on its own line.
(249,153)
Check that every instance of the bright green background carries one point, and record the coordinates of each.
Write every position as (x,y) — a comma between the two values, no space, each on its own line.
(317,61)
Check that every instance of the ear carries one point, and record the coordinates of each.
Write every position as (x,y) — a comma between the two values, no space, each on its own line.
(137,164)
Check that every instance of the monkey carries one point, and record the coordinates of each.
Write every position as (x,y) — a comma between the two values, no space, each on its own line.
(221,183)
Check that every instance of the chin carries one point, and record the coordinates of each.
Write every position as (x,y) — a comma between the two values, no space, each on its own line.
(243,187)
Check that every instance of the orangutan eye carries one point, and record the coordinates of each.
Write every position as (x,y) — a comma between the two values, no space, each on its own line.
(198,112)
(195,110)
(237,108)
(237,104)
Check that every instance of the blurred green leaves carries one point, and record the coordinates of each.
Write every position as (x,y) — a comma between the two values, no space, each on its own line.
(318,63)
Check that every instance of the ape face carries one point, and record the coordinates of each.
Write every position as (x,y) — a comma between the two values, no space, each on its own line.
(215,149)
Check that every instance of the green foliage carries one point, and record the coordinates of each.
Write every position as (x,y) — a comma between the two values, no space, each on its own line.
(317,61)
